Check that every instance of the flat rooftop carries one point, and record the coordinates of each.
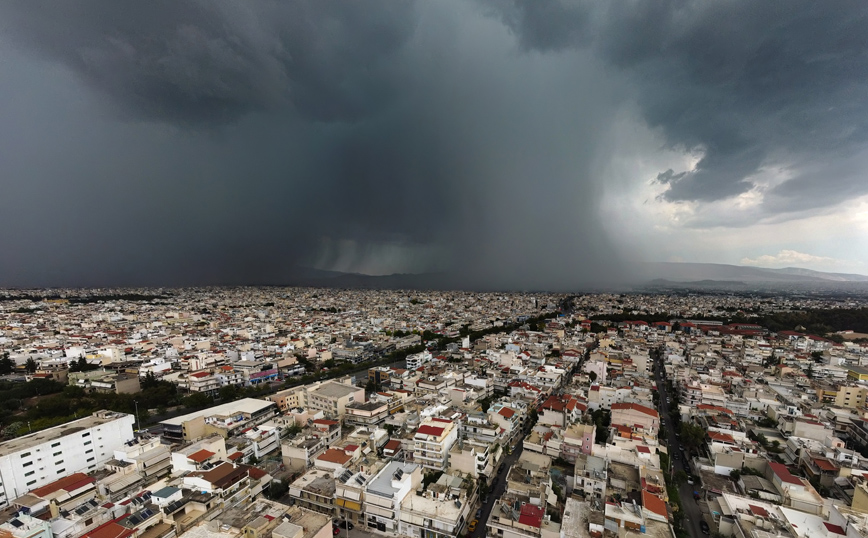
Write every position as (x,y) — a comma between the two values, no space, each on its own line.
(247,405)
(56,432)
(333,389)
(382,483)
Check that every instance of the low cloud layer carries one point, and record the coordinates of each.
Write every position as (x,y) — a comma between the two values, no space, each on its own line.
(220,142)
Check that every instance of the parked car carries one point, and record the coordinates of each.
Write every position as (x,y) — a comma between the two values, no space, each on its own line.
(696,496)
(344,524)
(472,526)
(479,513)
(704,527)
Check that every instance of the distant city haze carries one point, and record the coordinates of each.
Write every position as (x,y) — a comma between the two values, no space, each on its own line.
(499,145)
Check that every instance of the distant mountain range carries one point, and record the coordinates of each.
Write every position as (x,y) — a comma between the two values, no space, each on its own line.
(696,274)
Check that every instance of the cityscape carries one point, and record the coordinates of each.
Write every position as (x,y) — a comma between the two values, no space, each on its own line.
(433,269)
(217,412)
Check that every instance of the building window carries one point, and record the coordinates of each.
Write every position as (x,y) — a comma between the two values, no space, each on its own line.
(31,482)
(28,464)
(31,473)
(88,451)
(61,471)
(86,434)
(90,459)
(25,454)
(55,445)
(58,462)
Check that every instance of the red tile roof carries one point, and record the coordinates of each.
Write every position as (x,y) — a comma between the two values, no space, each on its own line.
(109,530)
(426,429)
(758,510)
(784,474)
(654,503)
(234,456)
(334,455)
(69,483)
(824,464)
(531,515)
(836,529)
(721,437)
(635,407)
(200,456)
(506,412)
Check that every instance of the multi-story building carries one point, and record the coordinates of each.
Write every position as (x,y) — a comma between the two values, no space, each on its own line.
(150,457)
(441,511)
(226,419)
(290,398)
(34,460)
(385,493)
(204,381)
(638,418)
(106,381)
(432,442)
(332,398)
(315,490)
(473,458)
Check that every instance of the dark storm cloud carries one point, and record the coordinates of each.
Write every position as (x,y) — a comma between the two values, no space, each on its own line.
(207,62)
(745,82)
(206,141)
(259,135)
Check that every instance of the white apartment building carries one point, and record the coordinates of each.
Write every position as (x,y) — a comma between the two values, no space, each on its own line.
(149,455)
(432,443)
(418,359)
(385,493)
(83,445)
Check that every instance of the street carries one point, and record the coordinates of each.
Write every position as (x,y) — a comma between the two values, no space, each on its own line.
(692,513)
(497,489)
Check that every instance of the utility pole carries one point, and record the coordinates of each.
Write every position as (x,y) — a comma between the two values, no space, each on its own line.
(138,422)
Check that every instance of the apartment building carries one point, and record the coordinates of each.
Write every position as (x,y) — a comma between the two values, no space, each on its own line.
(432,442)
(442,510)
(149,456)
(293,398)
(638,418)
(226,419)
(83,445)
(332,398)
(385,493)
(106,381)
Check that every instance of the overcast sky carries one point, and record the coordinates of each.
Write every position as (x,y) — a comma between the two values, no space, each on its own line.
(522,143)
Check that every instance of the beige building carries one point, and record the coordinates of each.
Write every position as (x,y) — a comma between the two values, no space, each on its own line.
(332,398)
(293,398)
(851,397)
(227,419)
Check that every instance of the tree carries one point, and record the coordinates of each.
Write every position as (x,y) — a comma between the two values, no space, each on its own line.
(228,393)
(692,434)
(149,381)
(7,365)
(592,376)
(735,474)
(30,365)
(680,477)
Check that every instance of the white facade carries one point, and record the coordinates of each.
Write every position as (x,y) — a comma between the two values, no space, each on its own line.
(83,445)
